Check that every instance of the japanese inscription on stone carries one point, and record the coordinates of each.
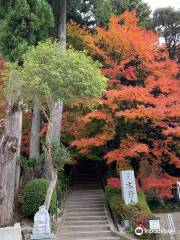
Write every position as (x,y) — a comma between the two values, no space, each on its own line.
(128,186)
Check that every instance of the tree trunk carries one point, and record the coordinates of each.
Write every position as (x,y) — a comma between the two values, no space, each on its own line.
(10,146)
(54,126)
(53,134)
(53,177)
(62,22)
(35,129)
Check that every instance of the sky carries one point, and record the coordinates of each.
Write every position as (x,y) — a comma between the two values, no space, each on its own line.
(163,3)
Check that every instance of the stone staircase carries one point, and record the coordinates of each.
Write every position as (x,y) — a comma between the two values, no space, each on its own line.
(85,216)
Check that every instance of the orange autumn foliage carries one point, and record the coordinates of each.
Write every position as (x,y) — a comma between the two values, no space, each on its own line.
(75,34)
(162,186)
(172,131)
(123,42)
(138,116)
(116,183)
(88,142)
(43,130)
(128,148)
(25,147)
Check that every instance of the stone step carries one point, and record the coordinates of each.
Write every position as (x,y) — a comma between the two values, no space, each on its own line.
(86,234)
(87,191)
(84,204)
(91,172)
(93,192)
(81,182)
(87,197)
(85,223)
(82,214)
(85,218)
(84,171)
(84,192)
(87,176)
(94,196)
(85,180)
(86,185)
(81,173)
(95,238)
(85,200)
(81,210)
(85,228)
(84,188)
(87,205)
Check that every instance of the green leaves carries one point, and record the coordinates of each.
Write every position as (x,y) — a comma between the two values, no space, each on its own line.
(51,72)
(26,23)
(60,155)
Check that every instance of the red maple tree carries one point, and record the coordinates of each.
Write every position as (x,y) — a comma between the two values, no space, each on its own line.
(136,122)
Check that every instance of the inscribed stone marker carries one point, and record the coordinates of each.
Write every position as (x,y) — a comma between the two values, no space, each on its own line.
(128,186)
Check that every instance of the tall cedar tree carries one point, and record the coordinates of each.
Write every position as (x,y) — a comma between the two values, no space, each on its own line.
(24,23)
(97,13)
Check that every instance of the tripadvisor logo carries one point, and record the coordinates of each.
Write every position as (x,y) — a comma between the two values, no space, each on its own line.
(139,231)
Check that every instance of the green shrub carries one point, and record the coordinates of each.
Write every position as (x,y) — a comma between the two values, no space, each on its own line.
(116,203)
(34,164)
(34,196)
(130,212)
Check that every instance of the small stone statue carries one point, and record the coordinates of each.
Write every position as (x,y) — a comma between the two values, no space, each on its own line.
(41,222)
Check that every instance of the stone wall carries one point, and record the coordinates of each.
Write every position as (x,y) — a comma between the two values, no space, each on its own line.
(11,233)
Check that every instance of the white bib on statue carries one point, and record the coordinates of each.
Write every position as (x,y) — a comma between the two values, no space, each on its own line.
(41,222)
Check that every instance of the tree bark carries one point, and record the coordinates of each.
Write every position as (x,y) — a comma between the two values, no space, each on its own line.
(35,129)
(10,147)
(62,22)
(53,134)
(54,126)
(53,177)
